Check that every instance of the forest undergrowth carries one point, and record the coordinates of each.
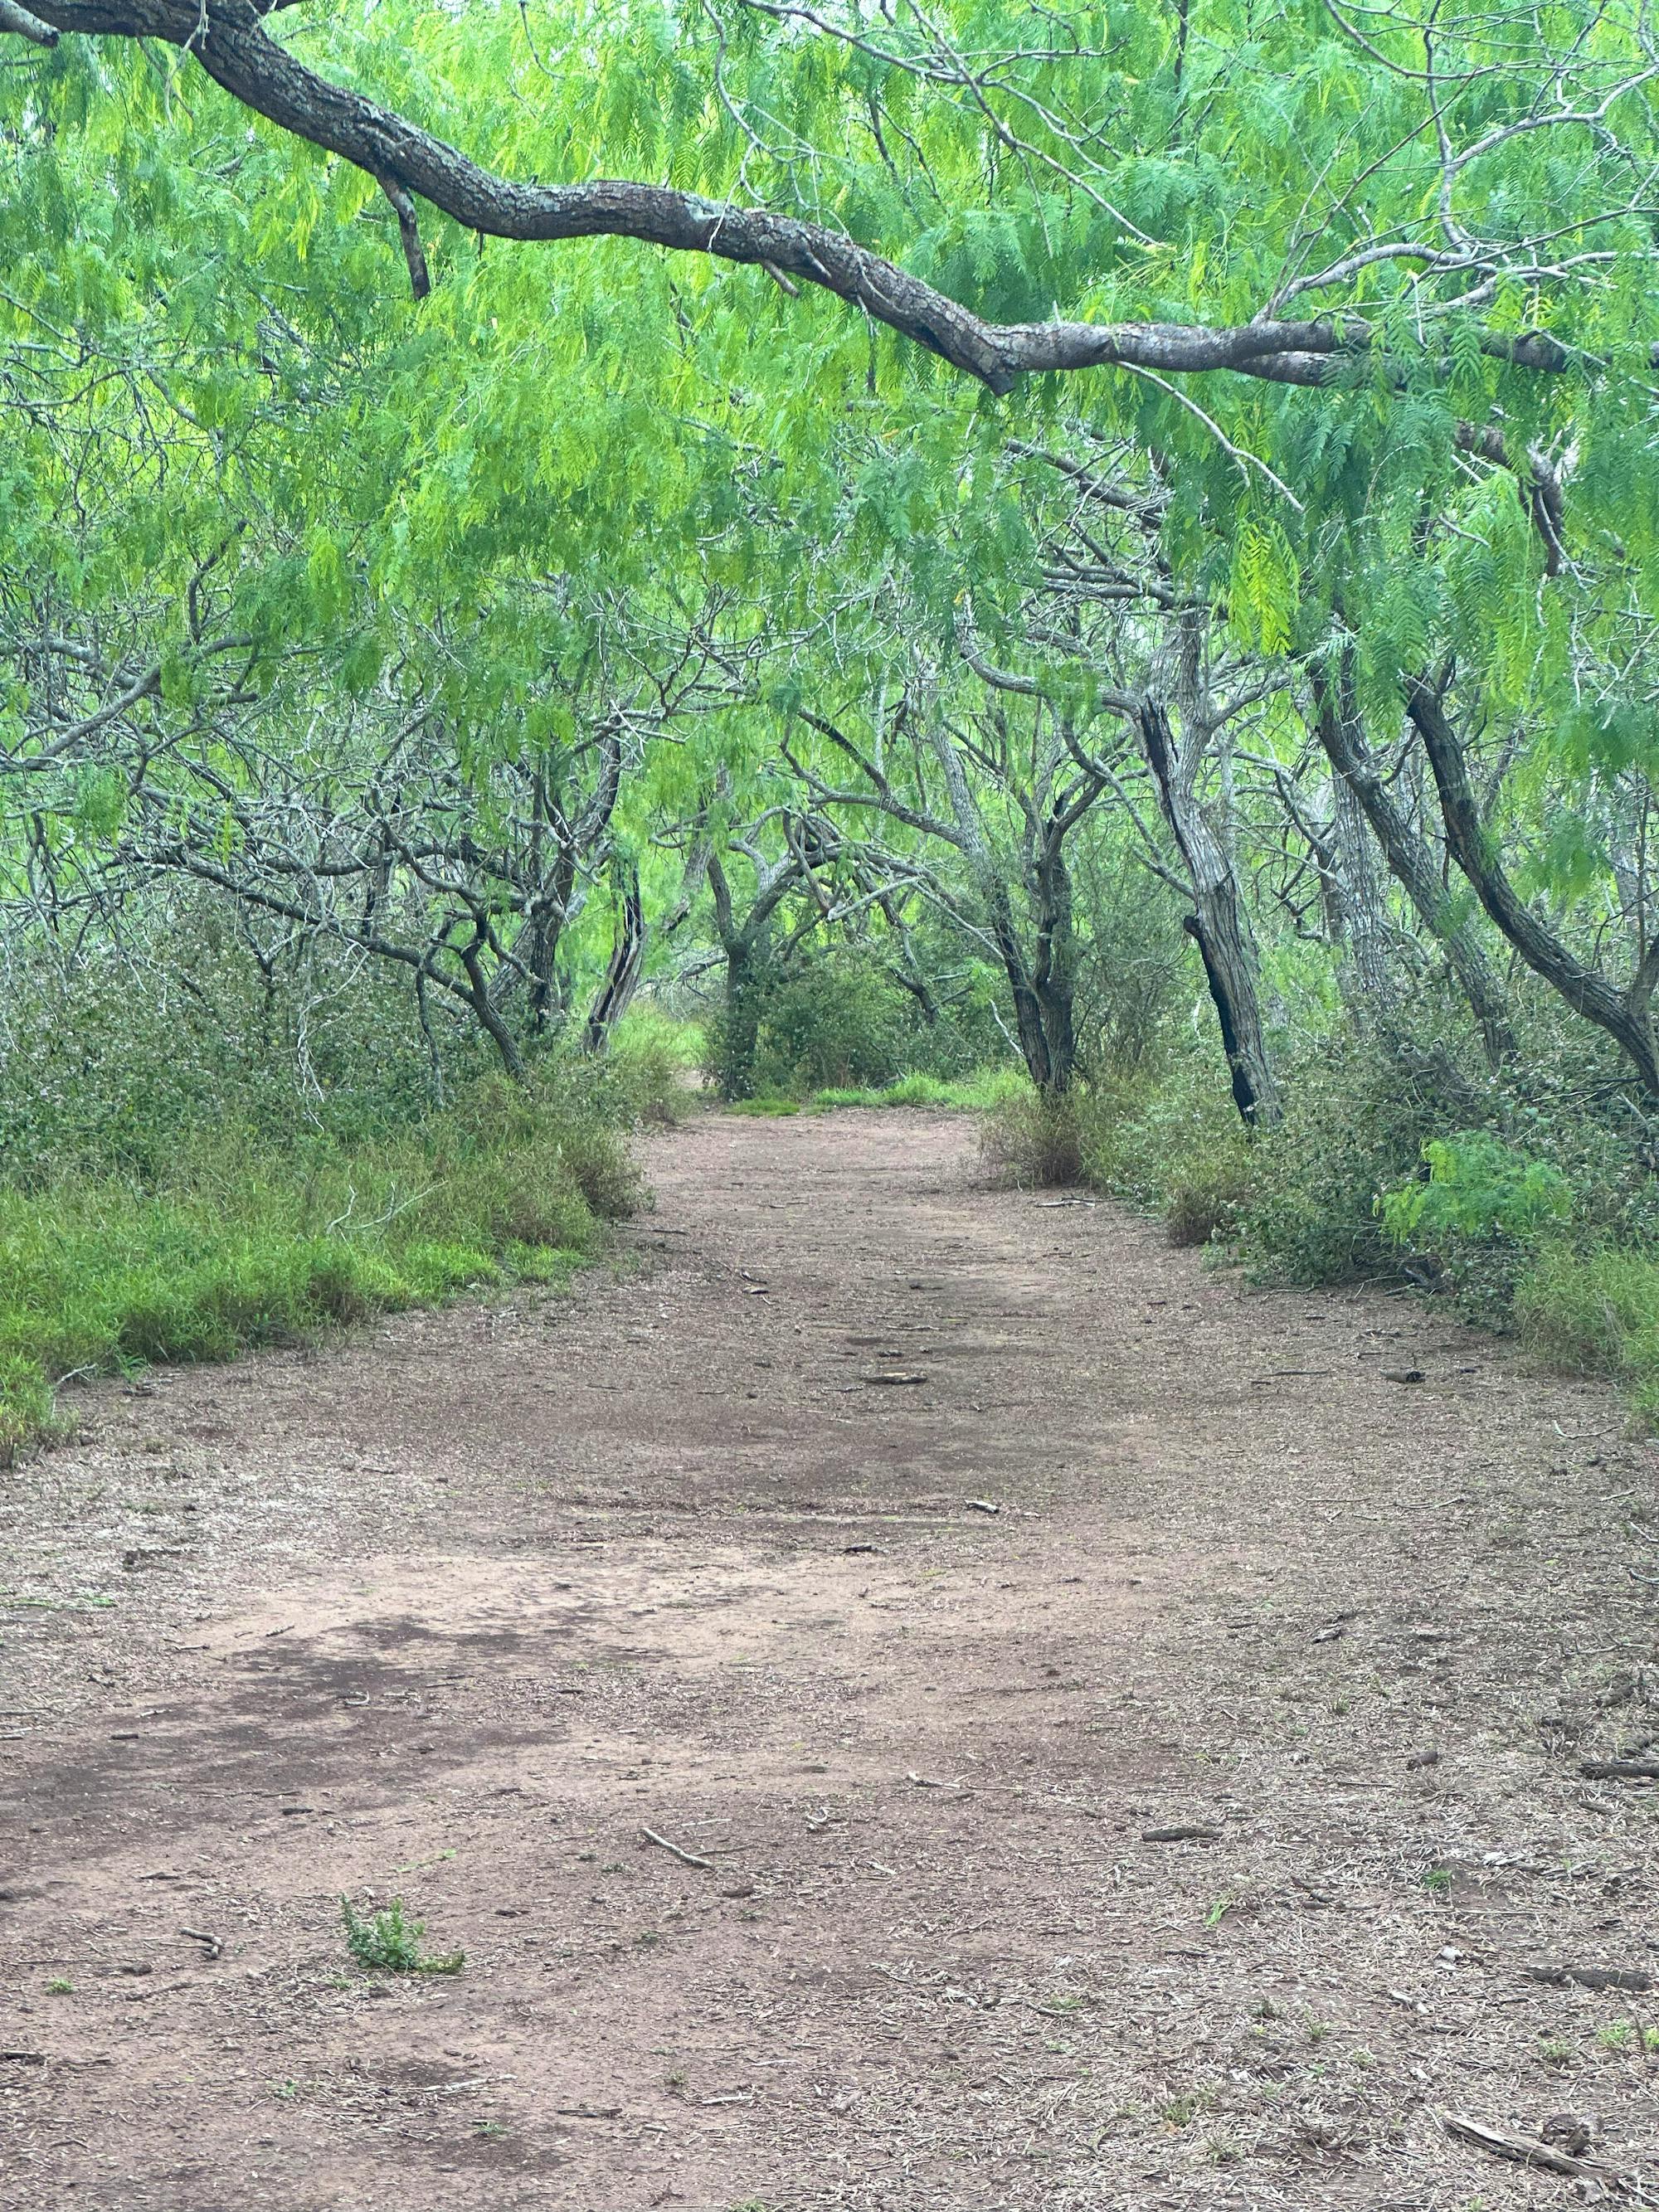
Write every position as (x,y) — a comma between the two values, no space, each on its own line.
(189,1203)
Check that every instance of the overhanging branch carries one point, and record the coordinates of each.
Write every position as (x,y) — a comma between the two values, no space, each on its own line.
(229,41)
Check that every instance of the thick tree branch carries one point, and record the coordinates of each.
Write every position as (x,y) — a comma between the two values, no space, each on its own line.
(1622,1015)
(26,26)
(228,38)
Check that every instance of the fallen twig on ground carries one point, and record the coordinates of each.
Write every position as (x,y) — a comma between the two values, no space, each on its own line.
(685,1857)
(1526,2151)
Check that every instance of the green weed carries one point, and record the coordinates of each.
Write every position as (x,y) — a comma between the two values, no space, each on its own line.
(981,1092)
(389,1942)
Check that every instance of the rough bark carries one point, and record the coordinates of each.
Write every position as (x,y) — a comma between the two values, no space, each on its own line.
(1055,977)
(1365,916)
(1217,924)
(1626,1016)
(622,977)
(1412,865)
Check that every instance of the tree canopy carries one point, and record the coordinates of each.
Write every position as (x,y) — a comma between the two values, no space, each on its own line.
(1216,436)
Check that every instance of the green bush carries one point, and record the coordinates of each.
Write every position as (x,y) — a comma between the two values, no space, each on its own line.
(1169,1140)
(1478,1187)
(389,1942)
(651,1065)
(1207,1193)
(1476,1217)
(1034,1142)
(835,1021)
(106,1074)
(838,1021)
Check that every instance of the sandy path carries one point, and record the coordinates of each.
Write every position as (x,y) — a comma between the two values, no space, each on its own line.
(456,1608)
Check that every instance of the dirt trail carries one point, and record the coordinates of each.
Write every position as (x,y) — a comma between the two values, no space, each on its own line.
(458,1608)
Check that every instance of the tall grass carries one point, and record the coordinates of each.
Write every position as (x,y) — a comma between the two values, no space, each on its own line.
(981,1092)
(242,1244)
(1595,1313)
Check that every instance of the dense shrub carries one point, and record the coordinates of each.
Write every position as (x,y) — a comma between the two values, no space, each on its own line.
(1476,1217)
(1034,1142)
(732,1034)
(105,1064)
(650,1068)
(1167,1137)
(1530,1198)
(839,1020)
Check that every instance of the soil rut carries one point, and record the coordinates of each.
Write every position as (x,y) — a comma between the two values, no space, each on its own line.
(911,1558)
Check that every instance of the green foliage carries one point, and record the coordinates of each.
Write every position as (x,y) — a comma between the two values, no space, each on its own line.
(982,1092)
(732,1034)
(1358,1113)
(104,1070)
(1163,1135)
(1477,1186)
(838,1024)
(225,422)
(652,1065)
(244,1243)
(389,1942)
(1596,1312)
(1551,1238)
(1474,1219)
(836,1021)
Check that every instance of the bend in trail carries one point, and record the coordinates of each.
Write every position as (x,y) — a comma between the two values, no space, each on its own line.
(1105,1738)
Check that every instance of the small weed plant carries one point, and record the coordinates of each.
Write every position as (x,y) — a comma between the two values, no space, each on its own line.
(389,1942)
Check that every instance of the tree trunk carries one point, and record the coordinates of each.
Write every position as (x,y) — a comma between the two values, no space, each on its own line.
(622,978)
(1217,923)
(1627,1015)
(1412,866)
(488,1015)
(1041,993)
(1376,984)
(1055,978)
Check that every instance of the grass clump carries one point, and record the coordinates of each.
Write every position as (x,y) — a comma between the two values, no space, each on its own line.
(389,1942)
(1035,1140)
(981,1091)
(240,1244)
(1596,1312)
(653,1068)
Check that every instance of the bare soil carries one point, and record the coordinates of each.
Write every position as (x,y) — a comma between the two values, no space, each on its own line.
(457,1608)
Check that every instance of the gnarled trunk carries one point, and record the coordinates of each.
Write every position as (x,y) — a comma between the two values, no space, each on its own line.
(622,977)
(1412,866)
(1216,924)
(1626,1016)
